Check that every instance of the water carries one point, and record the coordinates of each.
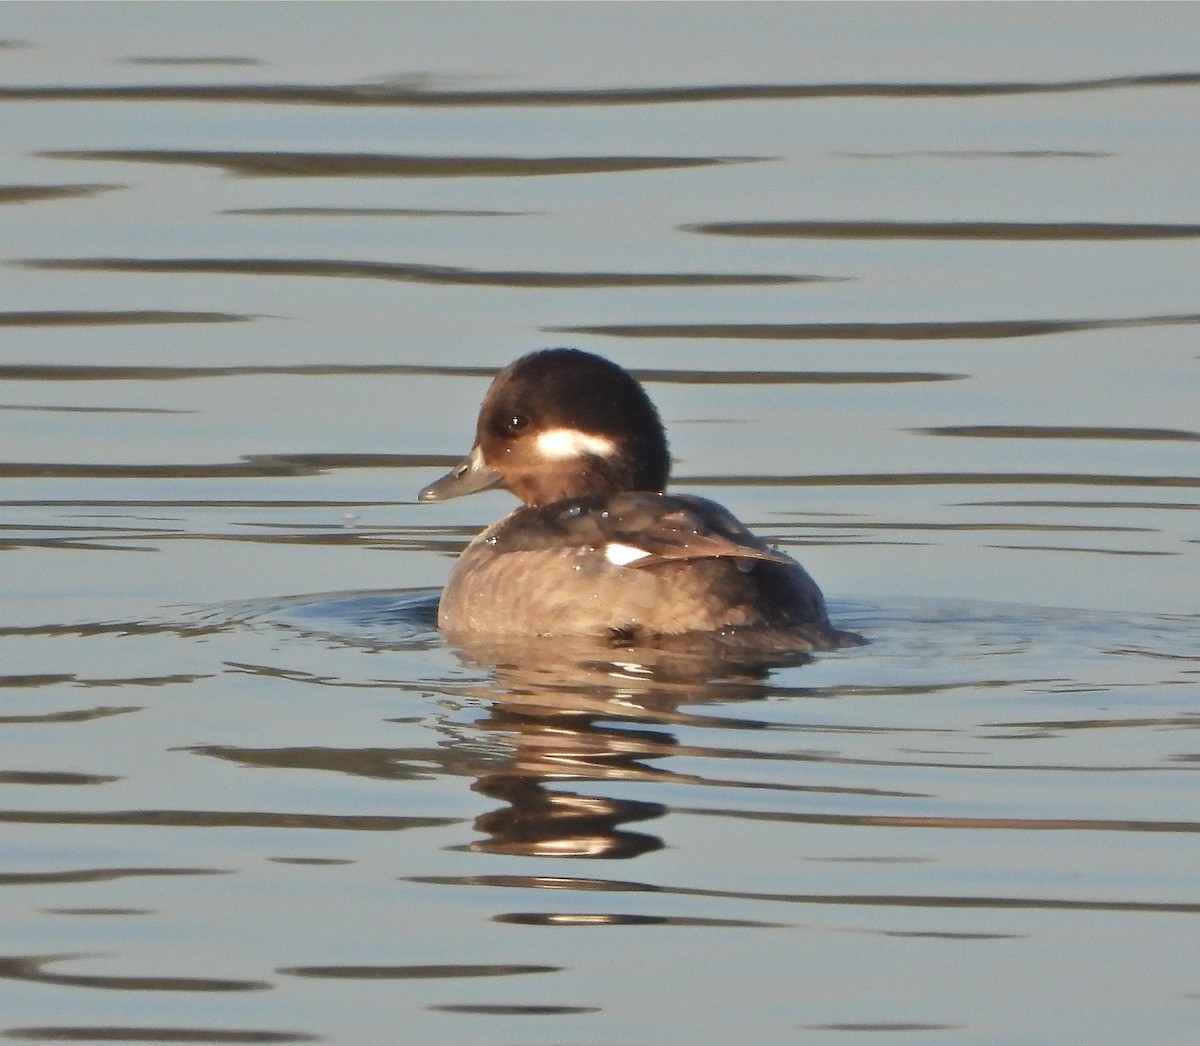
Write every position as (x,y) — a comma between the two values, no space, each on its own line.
(914,288)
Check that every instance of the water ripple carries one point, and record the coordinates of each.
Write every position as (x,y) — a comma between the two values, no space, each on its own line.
(417,273)
(416,92)
(111,317)
(886,331)
(849,900)
(404,973)
(141,1033)
(1108,432)
(98,372)
(31,968)
(32,193)
(946,230)
(386,165)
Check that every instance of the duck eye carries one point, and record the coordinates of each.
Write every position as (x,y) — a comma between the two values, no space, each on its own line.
(514,423)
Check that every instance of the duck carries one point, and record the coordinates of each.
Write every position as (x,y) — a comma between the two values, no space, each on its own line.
(598,547)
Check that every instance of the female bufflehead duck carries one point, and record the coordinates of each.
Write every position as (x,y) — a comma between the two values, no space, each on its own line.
(598,548)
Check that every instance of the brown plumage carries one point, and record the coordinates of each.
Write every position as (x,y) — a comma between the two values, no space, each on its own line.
(599,548)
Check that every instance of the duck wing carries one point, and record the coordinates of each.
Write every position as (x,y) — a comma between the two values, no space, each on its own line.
(640,529)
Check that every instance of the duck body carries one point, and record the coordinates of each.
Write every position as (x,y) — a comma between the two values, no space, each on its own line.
(599,548)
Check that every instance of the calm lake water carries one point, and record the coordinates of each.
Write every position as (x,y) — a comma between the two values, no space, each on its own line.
(916,290)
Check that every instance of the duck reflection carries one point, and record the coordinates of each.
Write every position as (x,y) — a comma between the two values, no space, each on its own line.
(574,710)
(557,710)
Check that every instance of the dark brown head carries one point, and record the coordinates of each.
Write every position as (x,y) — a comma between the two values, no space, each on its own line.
(558,424)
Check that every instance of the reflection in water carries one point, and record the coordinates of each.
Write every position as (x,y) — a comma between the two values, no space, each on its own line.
(883,1026)
(371,212)
(558,718)
(541,822)
(112,317)
(222,819)
(58,409)
(873,230)
(980,154)
(557,710)
(88,372)
(419,92)
(949,902)
(413,273)
(912,833)
(561,711)
(32,968)
(31,193)
(1150,505)
(404,973)
(264,465)
(502,1010)
(384,165)
(577,710)
(141,1033)
(81,715)
(574,710)
(537,750)
(98,875)
(889,331)
(53,777)
(231,60)
(1060,432)
(624,919)
(887,479)
(250,465)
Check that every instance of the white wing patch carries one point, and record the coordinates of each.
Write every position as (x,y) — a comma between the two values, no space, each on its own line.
(571,443)
(622,555)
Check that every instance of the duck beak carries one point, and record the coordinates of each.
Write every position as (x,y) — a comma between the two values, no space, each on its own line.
(469,476)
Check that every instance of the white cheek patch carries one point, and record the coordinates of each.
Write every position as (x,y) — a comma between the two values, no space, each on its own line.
(571,443)
(622,555)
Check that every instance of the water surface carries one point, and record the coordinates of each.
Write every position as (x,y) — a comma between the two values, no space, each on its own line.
(915,290)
